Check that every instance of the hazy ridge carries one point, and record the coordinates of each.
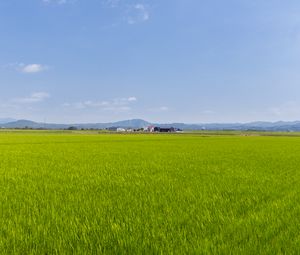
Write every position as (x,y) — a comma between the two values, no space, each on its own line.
(139,123)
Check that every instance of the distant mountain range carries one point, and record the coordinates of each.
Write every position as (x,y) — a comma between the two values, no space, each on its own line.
(6,120)
(139,123)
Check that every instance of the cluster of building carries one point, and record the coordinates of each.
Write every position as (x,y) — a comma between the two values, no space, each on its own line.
(150,129)
(155,129)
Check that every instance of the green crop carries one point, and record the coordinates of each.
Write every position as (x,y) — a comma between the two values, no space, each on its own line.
(64,193)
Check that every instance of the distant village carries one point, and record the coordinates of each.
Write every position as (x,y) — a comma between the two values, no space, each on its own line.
(150,129)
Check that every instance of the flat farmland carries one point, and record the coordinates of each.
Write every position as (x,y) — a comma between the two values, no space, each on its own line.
(77,193)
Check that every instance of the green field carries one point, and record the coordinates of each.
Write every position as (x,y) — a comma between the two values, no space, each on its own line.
(64,193)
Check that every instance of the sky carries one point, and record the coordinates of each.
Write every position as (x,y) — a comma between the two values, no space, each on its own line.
(193,61)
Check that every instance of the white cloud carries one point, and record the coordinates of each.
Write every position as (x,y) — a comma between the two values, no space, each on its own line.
(33,98)
(26,68)
(132,99)
(32,68)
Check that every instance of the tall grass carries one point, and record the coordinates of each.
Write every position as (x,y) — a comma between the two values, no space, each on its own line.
(141,194)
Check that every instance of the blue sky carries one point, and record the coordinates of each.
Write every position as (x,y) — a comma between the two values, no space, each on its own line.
(161,60)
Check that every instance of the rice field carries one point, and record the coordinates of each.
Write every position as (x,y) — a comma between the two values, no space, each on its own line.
(77,193)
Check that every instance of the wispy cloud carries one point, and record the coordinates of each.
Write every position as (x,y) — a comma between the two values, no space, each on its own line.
(287,110)
(208,112)
(138,13)
(160,109)
(163,108)
(23,104)
(59,2)
(33,98)
(8,105)
(111,3)
(131,13)
(117,104)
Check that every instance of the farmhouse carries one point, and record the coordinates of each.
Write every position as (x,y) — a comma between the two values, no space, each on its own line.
(112,128)
(153,129)
(167,130)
